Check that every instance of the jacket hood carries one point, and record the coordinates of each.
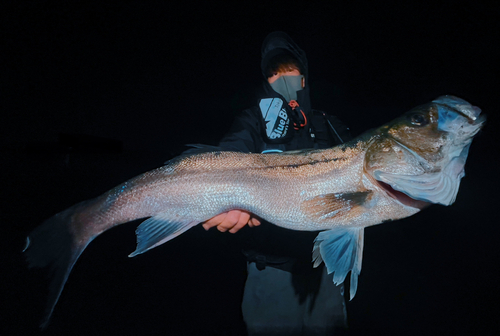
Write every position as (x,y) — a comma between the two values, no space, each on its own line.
(279,42)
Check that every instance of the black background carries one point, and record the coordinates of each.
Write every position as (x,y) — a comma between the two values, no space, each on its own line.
(95,93)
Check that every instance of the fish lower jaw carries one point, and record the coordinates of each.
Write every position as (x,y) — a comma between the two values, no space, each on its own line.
(401,197)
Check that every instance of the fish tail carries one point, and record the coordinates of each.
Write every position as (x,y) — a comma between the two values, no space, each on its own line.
(53,245)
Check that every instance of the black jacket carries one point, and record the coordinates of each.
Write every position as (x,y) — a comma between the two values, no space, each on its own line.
(250,131)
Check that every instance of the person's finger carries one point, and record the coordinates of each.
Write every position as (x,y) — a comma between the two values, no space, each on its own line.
(254,221)
(242,221)
(214,221)
(230,221)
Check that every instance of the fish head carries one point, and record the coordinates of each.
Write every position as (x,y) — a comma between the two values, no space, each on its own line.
(419,158)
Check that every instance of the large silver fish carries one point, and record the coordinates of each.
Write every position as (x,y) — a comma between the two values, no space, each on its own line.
(386,174)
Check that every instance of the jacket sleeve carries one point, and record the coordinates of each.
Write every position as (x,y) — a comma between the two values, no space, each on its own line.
(245,134)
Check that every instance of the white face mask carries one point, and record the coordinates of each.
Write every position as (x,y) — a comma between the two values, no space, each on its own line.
(287,86)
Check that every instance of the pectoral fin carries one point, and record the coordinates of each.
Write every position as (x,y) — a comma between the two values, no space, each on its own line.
(158,230)
(331,205)
(342,251)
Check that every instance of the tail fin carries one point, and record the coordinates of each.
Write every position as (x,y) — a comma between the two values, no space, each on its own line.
(54,245)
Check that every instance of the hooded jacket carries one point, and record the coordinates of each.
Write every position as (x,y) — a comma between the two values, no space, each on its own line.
(251,130)
(269,245)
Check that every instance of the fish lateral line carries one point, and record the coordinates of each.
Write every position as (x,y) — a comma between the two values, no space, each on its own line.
(298,165)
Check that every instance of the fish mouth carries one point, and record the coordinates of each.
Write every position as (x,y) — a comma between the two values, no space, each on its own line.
(401,197)
(450,107)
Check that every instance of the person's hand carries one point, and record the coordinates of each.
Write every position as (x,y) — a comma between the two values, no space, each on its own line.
(232,220)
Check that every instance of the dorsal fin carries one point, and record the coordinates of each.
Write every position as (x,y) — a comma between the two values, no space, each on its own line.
(193,150)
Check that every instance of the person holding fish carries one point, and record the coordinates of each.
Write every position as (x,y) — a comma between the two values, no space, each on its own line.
(284,294)
(385,174)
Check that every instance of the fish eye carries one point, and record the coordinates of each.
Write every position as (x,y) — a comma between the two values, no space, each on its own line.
(418,119)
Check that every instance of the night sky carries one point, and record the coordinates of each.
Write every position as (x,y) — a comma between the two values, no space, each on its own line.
(92,94)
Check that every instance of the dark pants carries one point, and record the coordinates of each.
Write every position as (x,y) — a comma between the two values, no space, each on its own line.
(276,302)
